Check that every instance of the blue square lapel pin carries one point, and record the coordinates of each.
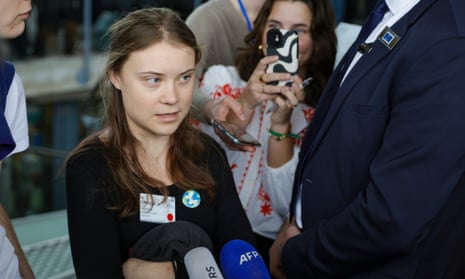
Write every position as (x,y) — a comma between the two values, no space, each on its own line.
(388,38)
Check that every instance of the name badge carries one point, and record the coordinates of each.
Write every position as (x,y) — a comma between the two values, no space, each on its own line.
(159,212)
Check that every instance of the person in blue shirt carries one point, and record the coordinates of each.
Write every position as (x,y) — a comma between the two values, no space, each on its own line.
(13,133)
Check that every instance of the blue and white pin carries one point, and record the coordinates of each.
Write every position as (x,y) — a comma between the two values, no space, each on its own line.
(191,199)
(388,38)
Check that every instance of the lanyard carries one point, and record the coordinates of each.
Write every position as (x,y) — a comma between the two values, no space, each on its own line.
(244,13)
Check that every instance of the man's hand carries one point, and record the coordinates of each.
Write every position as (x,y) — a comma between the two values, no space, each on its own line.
(288,230)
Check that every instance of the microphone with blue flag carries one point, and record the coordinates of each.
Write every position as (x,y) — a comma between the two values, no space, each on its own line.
(239,259)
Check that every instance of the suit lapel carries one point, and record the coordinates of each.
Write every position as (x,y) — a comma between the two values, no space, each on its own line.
(364,65)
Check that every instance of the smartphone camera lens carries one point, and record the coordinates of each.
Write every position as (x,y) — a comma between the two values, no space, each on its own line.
(275,38)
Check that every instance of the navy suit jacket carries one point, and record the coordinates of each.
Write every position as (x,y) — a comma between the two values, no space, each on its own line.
(383,179)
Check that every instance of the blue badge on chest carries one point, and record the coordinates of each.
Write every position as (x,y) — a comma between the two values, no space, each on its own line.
(191,199)
(389,38)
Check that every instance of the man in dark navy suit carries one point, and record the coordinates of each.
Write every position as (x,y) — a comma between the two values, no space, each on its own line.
(379,191)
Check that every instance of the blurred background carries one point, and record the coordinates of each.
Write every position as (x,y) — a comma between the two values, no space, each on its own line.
(60,59)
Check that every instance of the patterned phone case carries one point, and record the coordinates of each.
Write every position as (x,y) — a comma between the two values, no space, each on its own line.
(285,44)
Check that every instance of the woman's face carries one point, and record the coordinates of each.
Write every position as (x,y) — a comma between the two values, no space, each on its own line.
(13,14)
(156,85)
(293,16)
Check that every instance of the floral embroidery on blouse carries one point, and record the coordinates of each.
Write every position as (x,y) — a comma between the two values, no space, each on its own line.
(226,89)
(265,208)
(308,113)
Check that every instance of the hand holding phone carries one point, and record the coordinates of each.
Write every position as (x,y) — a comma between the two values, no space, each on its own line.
(233,135)
(285,44)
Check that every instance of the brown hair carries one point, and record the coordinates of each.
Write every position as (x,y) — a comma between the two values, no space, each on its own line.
(319,66)
(139,30)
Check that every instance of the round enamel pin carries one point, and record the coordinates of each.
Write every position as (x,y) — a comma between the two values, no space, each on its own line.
(191,199)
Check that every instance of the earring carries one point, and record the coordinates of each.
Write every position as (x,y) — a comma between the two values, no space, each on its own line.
(260,49)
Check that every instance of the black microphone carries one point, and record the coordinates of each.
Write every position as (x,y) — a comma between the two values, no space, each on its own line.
(172,242)
(365,48)
(240,260)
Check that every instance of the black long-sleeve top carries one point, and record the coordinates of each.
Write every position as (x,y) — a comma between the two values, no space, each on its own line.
(100,240)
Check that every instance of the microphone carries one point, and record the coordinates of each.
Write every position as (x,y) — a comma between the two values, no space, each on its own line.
(240,260)
(200,264)
(171,242)
(365,48)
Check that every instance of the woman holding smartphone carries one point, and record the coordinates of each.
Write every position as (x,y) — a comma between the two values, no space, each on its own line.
(264,176)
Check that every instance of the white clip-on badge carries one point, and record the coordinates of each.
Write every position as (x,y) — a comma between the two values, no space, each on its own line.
(158,212)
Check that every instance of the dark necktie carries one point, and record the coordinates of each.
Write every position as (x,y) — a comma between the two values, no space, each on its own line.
(375,17)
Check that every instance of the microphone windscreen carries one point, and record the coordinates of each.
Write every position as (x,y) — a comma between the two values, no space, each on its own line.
(170,241)
(200,264)
(240,260)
